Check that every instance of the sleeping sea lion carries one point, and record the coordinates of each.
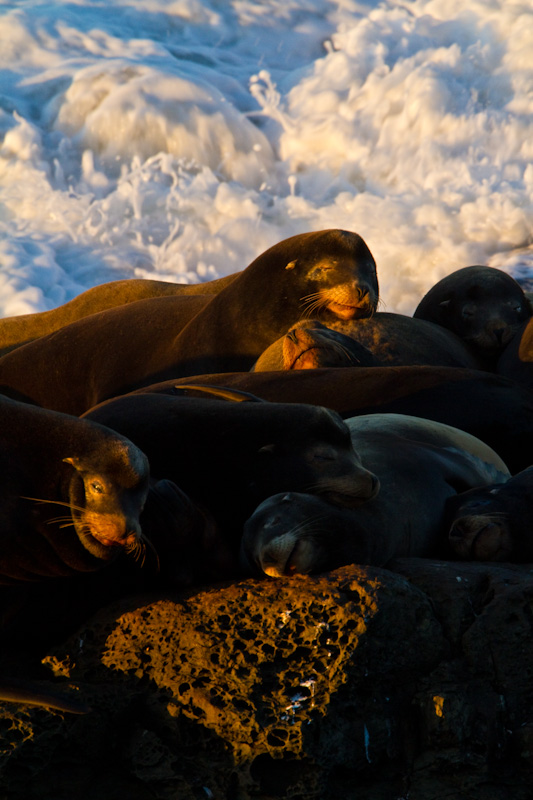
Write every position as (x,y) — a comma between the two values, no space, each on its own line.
(227,457)
(397,340)
(495,409)
(311,345)
(71,495)
(331,273)
(495,522)
(16,331)
(420,464)
(484,306)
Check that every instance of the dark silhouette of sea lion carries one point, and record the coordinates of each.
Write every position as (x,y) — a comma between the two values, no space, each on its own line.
(227,457)
(420,464)
(494,522)
(495,409)
(484,306)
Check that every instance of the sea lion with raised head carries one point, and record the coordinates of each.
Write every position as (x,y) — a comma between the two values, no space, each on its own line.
(310,345)
(484,306)
(420,464)
(228,457)
(71,495)
(18,330)
(331,273)
(494,522)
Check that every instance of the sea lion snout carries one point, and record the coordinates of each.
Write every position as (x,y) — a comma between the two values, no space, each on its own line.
(351,300)
(481,537)
(282,537)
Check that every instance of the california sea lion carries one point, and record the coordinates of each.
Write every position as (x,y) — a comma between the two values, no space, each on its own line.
(484,306)
(98,356)
(228,457)
(420,464)
(16,331)
(330,273)
(398,340)
(311,345)
(71,495)
(494,523)
(516,360)
(495,409)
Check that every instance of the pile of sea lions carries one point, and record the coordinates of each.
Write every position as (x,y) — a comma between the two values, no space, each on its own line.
(271,422)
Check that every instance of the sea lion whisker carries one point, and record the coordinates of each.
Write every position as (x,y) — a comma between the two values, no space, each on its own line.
(310,525)
(63,519)
(72,506)
(313,307)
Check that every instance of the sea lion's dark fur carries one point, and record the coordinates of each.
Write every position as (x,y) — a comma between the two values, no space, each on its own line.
(227,457)
(396,340)
(71,495)
(495,409)
(516,361)
(420,464)
(495,522)
(484,306)
(332,272)
(18,330)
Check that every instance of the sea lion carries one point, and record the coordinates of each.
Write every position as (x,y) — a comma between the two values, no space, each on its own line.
(331,273)
(494,523)
(484,306)
(16,331)
(397,340)
(516,360)
(311,345)
(495,409)
(71,495)
(420,464)
(227,457)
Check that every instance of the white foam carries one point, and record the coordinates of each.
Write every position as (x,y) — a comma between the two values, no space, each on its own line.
(180,138)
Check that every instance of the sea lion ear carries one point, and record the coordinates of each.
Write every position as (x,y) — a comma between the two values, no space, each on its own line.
(291,264)
(267,449)
(444,303)
(74,461)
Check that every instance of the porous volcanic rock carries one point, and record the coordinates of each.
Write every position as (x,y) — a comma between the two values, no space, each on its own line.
(362,683)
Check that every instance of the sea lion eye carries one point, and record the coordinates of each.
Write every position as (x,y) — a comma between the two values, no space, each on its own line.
(97,487)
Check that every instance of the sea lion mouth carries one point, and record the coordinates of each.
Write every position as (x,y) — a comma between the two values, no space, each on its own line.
(343,311)
(299,361)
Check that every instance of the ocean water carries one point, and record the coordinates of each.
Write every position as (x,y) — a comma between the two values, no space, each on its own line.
(178,139)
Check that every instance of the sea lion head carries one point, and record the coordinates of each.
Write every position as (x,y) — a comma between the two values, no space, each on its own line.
(315,456)
(107,490)
(292,533)
(479,528)
(484,306)
(492,523)
(338,272)
(311,345)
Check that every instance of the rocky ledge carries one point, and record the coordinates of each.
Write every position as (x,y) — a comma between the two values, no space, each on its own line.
(362,683)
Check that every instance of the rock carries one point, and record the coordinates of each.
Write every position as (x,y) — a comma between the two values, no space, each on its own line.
(361,683)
